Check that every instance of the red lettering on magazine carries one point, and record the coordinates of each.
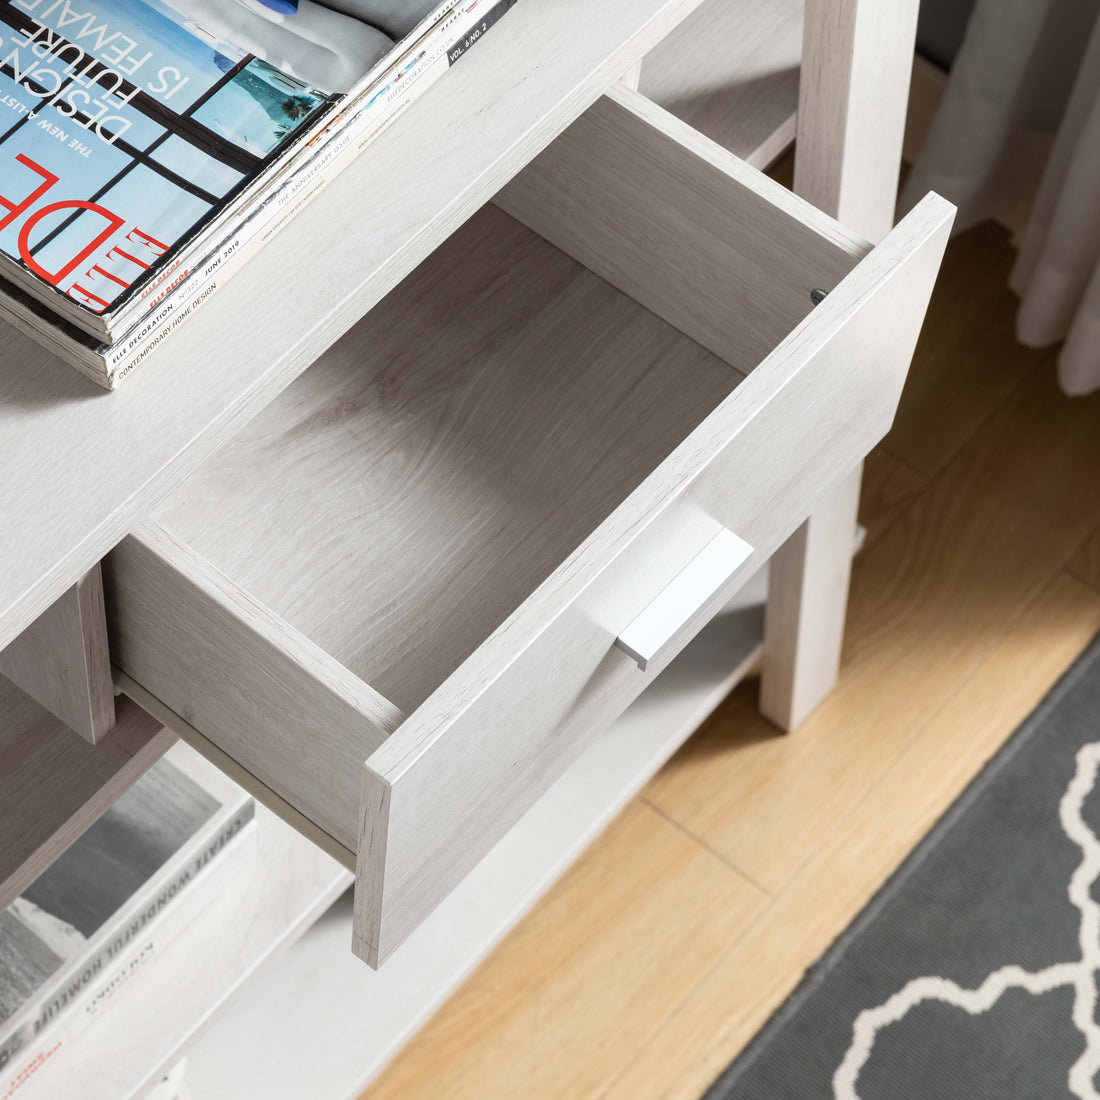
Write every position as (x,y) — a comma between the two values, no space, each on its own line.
(141,252)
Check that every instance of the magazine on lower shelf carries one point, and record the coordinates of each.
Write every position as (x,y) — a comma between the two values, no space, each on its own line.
(138,139)
(31,1066)
(78,929)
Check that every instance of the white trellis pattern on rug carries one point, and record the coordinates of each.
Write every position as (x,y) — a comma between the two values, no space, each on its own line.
(1080,974)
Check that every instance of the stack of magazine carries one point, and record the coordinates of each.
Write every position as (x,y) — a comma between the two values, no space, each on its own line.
(141,874)
(149,147)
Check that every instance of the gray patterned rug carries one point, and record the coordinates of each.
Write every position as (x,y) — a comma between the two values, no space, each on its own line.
(973,974)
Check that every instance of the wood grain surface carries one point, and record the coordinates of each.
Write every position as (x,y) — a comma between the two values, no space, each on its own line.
(1085,563)
(731,71)
(434,467)
(760,968)
(853,99)
(394,506)
(267,696)
(978,365)
(732,261)
(889,487)
(808,583)
(798,423)
(509,1034)
(54,784)
(431,510)
(61,660)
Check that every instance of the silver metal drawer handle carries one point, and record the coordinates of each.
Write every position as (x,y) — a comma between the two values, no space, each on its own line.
(650,635)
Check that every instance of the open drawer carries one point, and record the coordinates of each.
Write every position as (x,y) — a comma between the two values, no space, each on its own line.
(394,599)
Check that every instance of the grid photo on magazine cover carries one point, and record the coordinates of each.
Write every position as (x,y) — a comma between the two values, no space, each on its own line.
(133,120)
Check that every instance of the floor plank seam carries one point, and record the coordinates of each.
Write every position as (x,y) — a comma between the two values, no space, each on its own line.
(960,686)
(1068,574)
(1091,585)
(1047,362)
(724,860)
(909,467)
(878,531)
(773,899)
(1070,571)
(689,993)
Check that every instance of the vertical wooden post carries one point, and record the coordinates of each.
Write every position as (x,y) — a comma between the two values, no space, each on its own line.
(807,600)
(857,63)
(633,76)
(857,60)
(62,662)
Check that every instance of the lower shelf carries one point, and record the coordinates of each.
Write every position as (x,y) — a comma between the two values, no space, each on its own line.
(314,1024)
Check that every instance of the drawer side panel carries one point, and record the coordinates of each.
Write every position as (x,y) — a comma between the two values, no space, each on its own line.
(260,691)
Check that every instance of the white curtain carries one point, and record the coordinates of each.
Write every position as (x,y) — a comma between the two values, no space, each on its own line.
(1019,129)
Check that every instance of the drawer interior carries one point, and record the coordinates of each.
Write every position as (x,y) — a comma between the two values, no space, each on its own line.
(414,486)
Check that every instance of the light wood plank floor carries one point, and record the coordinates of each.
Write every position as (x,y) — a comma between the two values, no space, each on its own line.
(661,953)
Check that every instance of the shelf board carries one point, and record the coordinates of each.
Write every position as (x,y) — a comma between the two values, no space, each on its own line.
(54,784)
(280,894)
(731,71)
(81,466)
(314,1023)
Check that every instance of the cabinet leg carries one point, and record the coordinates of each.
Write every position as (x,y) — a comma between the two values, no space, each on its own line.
(807,601)
(857,56)
(857,59)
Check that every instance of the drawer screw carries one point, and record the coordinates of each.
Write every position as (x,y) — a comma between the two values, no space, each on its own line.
(818,296)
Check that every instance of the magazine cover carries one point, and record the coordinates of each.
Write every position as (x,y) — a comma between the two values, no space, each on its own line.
(125,124)
(41,1061)
(120,875)
(211,258)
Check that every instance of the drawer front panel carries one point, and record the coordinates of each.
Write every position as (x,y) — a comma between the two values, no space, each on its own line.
(467,764)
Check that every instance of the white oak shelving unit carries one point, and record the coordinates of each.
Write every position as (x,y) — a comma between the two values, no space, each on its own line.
(265,999)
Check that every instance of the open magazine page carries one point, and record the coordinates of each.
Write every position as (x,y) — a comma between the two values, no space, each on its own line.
(126,123)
